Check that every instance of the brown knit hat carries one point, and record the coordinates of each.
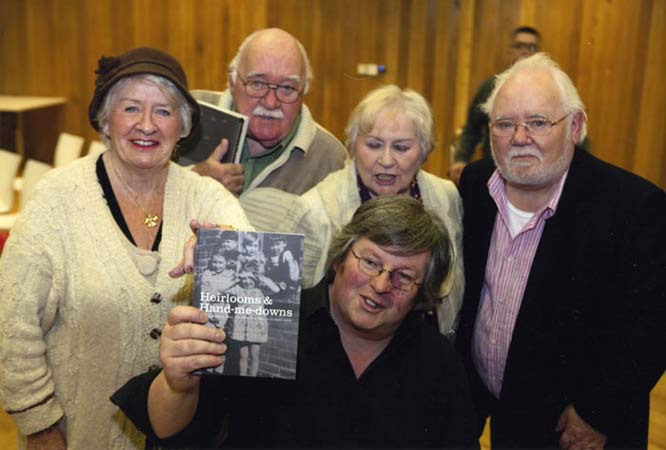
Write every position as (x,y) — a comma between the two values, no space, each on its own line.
(133,62)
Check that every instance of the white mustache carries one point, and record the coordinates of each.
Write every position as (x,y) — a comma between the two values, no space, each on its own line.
(515,152)
(260,111)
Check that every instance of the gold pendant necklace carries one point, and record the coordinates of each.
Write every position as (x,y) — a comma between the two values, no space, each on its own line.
(150,220)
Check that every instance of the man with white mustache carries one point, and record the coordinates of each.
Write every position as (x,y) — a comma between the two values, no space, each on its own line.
(286,152)
(565,276)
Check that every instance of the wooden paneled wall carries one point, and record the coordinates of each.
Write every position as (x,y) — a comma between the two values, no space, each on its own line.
(614,50)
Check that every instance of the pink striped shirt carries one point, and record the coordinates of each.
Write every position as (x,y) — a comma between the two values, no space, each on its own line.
(507,271)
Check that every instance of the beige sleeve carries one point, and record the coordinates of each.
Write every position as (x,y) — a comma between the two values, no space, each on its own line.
(30,291)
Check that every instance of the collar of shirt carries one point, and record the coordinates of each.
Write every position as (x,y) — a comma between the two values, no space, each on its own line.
(497,189)
(254,165)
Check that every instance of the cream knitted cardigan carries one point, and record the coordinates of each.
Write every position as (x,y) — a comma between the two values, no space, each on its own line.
(75,313)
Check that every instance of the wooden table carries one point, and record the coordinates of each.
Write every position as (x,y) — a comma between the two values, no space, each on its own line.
(21,105)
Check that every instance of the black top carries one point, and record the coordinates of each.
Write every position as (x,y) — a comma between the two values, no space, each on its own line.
(110,196)
(414,395)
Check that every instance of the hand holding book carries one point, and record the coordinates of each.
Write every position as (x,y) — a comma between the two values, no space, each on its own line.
(187,345)
(229,174)
(186,264)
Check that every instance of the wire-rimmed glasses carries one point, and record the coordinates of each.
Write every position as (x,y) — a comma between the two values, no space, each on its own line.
(259,89)
(535,127)
(399,280)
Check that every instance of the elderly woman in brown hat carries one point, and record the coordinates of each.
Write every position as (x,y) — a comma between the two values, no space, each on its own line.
(84,284)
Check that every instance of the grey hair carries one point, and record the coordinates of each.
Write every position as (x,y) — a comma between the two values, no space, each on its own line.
(170,91)
(571,101)
(391,97)
(402,226)
(232,70)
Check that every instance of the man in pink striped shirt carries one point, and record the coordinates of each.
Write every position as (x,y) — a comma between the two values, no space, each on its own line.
(565,263)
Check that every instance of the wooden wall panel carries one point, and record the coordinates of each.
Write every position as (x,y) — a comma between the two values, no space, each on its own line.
(650,151)
(441,84)
(613,50)
(610,89)
(463,62)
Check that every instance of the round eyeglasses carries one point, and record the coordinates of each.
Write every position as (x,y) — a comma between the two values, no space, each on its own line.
(534,127)
(259,89)
(399,280)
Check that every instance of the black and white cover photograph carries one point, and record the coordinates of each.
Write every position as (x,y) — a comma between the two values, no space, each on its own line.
(249,284)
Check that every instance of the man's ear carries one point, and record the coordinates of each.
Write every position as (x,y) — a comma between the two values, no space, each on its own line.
(577,125)
(338,267)
(230,80)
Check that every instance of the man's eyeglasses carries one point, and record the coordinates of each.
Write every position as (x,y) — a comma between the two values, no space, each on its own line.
(399,280)
(259,89)
(525,46)
(534,127)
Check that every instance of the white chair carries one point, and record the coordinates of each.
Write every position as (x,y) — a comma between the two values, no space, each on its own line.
(96,148)
(32,173)
(9,164)
(68,148)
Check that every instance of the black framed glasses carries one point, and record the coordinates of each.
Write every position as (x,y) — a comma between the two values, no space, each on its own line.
(530,47)
(259,89)
(399,280)
(534,127)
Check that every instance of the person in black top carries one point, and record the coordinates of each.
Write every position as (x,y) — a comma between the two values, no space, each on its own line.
(371,372)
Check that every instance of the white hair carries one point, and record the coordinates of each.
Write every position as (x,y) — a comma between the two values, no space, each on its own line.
(571,101)
(170,91)
(392,98)
(235,62)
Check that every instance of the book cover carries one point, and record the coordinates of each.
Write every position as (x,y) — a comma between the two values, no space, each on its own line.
(249,284)
(216,123)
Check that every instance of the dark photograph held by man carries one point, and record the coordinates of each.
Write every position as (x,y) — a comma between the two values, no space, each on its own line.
(84,284)
(562,326)
(371,373)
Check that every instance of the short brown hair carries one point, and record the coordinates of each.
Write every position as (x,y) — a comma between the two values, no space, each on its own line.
(401,224)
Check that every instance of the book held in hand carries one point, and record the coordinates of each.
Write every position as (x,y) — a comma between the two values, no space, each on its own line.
(216,123)
(249,284)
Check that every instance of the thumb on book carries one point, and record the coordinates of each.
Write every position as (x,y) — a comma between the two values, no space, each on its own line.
(220,150)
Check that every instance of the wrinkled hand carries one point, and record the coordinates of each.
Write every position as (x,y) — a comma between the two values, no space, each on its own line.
(187,345)
(186,264)
(229,174)
(49,439)
(576,433)
(455,171)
